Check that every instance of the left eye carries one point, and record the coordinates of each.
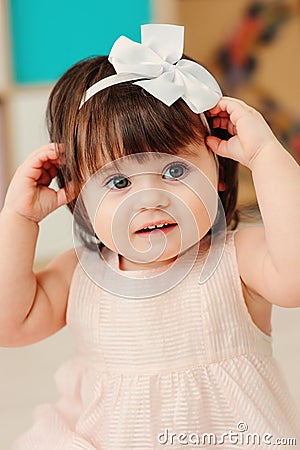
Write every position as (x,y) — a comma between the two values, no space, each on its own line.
(176,170)
(118,182)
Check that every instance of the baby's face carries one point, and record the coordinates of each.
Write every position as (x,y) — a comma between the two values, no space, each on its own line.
(150,211)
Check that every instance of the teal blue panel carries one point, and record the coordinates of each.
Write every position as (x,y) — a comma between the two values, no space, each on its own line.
(49,36)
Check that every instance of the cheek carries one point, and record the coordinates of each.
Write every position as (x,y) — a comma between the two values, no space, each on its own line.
(103,222)
(203,212)
(203,220)
(112,220)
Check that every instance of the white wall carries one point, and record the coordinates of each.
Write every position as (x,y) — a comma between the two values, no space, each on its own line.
(28,131)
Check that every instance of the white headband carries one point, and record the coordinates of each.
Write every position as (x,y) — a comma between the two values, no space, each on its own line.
(156,62)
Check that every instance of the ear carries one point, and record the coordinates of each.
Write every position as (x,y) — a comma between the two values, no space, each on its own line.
(221,184)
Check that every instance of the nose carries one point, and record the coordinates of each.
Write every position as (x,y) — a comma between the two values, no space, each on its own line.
(150,193)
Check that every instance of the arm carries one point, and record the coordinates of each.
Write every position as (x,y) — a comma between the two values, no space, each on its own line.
(46,312)
(269,256)
(18,237)
(32,306)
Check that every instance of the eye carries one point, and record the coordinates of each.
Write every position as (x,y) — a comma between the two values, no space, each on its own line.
(175,171)
(118,182)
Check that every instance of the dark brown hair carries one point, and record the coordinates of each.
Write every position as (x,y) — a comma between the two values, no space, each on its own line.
(118,121)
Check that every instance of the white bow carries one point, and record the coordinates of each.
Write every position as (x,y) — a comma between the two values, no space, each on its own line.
(156,62)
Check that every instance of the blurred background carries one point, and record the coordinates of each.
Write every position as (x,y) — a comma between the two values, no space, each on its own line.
(252,48)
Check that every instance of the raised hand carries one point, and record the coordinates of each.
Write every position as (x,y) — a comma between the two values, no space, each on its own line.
(29,194)
(250,132)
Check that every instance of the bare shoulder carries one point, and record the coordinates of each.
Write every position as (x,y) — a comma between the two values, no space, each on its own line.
(250,249)
(259,272)
(244,240)
(54,281)
(47,313)
(65,263)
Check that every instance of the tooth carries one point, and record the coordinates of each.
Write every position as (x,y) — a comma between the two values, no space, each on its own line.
(153,227)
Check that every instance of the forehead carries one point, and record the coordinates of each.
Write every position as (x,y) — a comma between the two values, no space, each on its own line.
(148,162)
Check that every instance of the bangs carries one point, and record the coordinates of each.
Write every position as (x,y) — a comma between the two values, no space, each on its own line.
(125,119)
(119,121)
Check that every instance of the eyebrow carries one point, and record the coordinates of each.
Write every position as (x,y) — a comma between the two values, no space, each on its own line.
(140,158)
(109,167)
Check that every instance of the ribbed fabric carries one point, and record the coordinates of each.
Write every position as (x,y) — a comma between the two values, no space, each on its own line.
(190,360)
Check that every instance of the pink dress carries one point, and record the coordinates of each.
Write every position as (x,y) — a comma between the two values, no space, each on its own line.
(159,372)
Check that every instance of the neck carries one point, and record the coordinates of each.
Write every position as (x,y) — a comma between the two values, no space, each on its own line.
(126,264)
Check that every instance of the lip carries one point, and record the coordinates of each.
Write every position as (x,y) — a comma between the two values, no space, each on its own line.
(157,222)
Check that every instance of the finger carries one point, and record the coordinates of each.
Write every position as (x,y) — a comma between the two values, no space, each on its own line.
(61,197)
(57,198)
(50,169)
(214,111)
(235,108)
(53,170)
(219,114)
(60,148)
(37,163)
(44,180)
(213,143)
(64,197)
(53,152)
(224,124)
(42,159)
(218,146)
(221,106)
(47,148)
(33,167)
(47,176)
(229,105)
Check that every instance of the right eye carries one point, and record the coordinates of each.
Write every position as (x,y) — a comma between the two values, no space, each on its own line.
(118,182)
(175,171)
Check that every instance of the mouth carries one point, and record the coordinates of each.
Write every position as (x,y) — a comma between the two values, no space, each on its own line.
(155,228)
